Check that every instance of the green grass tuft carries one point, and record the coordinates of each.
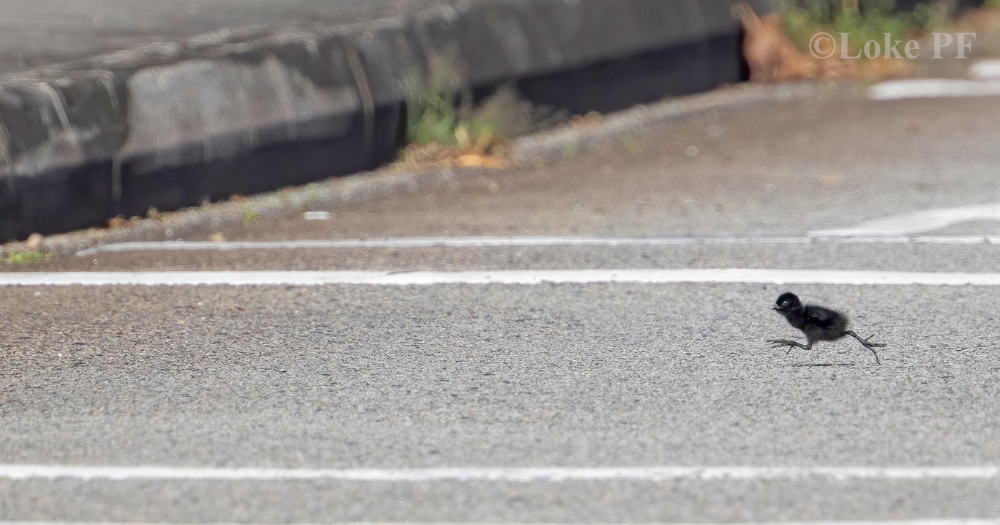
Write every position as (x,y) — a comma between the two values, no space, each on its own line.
(25,258)
(250,216)
(863,21)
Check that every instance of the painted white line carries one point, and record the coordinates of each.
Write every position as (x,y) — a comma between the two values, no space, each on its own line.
(933,88)
(940,521)
(433,242)
(317,216)
(955,239)
(521,242)
(507,277)
(919,222)
(985,69)
(522,475)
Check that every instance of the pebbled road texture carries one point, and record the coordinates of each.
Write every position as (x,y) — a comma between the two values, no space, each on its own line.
(543,376)
(493,376)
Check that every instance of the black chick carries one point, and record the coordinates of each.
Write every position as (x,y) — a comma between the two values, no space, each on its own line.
(818,323)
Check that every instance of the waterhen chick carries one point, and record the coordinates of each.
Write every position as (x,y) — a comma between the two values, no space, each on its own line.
(817,323)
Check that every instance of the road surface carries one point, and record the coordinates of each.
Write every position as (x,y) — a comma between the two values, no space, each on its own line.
(562,401)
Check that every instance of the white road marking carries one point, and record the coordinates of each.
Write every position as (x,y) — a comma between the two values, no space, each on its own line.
(985,69)
(508,277)
(433,242)
(940,521)
(933,88)
(317,216)
(918,222)
(525,242)
(522,475)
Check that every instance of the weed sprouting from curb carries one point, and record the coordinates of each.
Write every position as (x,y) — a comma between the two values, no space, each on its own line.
(444,117)
(432,119)
(432,112)
(312,197)
(284,196)
(18,258)
(250,216)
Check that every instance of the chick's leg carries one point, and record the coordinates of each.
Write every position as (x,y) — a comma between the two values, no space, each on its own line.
(790,344)
(866,344)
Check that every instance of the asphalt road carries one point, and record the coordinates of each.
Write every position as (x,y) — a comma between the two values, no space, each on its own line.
(375,381)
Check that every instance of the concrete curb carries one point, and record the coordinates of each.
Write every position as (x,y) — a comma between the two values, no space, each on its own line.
(174,125)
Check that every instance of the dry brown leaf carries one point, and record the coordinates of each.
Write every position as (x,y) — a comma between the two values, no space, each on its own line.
(117,222)
(769,52)
(773,57)
(473,160)
(483,144)
(35,242)
(586,120)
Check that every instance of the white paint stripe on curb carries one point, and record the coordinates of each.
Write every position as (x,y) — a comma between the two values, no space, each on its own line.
(522,475)
(506,277)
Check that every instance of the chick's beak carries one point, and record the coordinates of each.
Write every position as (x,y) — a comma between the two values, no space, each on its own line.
(774,307)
